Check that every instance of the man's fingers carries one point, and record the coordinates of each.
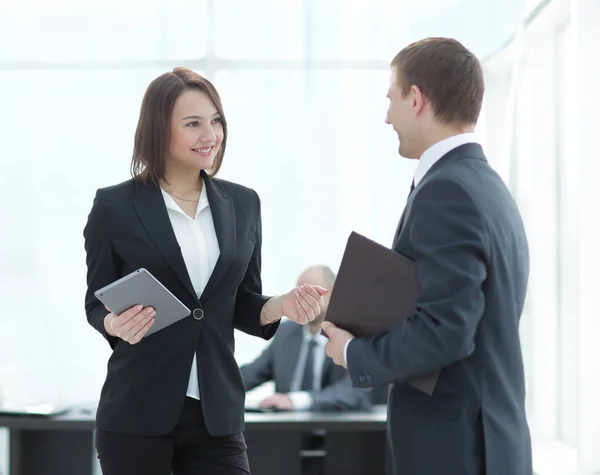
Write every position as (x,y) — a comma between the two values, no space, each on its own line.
(329,329)
(268,402)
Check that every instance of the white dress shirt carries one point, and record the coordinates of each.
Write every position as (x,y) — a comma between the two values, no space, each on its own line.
(302,400)
(429,158)
(198,242)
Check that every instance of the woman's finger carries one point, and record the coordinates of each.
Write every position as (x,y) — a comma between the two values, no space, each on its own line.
(319,290)
(305,309)
(127,327)
(314,303)
(137,337)
(140,323)
(129,314)
(312,291)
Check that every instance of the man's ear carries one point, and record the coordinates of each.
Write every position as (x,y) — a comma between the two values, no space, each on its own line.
(419,99)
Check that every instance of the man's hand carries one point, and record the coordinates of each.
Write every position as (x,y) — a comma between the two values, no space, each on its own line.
(337,342)
(278,401)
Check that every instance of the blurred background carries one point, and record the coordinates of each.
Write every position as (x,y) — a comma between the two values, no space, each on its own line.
(303,84)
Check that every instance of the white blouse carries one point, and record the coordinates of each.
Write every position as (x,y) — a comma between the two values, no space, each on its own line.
(200,248)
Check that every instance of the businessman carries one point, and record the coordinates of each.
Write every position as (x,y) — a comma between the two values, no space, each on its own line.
(305,379)
(463,230)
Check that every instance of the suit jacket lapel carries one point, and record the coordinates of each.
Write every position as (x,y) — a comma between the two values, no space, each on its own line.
(401,222)
(151,209)
(327,369)
(292,346)
(223,213)
(471,150)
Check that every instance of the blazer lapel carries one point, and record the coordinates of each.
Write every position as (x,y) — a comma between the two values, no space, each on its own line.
(327,368)
(401,222)
(223,213)
(151,209)
(470,150)
(292,346)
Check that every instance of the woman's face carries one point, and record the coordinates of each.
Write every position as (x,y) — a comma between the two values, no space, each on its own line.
(196,131)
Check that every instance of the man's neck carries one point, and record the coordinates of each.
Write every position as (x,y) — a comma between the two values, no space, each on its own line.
(444,132)
(314,329)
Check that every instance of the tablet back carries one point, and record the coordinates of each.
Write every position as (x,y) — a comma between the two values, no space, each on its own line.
(141,287)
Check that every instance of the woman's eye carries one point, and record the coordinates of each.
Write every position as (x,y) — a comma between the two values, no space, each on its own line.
(217,120)
(192,124)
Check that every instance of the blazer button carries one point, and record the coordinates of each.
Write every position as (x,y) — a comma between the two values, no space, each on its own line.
(198,313)
(362,379)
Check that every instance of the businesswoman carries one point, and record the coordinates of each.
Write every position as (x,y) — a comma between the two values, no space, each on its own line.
(174,401)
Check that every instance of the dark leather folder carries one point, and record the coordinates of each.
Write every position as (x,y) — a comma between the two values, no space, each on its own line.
(374,290)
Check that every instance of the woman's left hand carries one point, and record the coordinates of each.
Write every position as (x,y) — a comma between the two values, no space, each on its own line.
(303,304)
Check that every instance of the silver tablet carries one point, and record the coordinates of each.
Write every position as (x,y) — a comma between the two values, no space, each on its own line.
(141,287)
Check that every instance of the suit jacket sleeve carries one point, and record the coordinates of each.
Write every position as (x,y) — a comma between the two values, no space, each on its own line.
(249,299)
(101,266)
(260,370)
(449,240)
(341,396)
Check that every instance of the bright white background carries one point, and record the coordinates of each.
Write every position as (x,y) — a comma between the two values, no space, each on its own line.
(304,93)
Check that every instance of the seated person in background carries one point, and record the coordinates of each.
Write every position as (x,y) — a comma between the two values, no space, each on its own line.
(380,394)
(305,378)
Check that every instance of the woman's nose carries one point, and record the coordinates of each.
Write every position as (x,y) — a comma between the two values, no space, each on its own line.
(208,134)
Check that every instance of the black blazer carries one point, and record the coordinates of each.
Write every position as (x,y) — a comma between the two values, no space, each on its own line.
(278,363)
(128,228)
(464,231)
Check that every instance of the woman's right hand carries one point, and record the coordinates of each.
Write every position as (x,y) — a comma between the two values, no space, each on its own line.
(131,325)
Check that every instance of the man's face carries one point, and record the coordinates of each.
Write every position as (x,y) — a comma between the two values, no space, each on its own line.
(402,116)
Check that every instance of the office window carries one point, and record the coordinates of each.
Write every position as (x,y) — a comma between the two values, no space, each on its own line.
(539,135)
(276,34)
(112,30)
(568,240)
(308,136)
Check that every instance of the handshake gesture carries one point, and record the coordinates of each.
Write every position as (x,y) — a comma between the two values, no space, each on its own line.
(301,305)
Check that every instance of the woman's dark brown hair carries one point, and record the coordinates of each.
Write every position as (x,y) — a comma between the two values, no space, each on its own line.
(153,133)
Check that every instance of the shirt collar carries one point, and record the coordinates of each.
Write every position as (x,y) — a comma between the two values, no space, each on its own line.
(438,150)
(171,204)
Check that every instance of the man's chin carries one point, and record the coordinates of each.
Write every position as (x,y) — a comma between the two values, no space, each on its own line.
(406,154)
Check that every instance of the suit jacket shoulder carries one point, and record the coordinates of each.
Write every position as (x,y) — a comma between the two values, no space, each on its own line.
(234,189)
(245,199)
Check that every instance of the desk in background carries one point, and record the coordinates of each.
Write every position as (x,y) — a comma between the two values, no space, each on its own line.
(355,442)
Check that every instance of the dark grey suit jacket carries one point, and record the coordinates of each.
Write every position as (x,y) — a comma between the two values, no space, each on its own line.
(278,363)
(463,229)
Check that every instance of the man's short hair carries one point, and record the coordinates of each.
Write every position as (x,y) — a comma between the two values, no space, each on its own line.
(447,73)
(326,272)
